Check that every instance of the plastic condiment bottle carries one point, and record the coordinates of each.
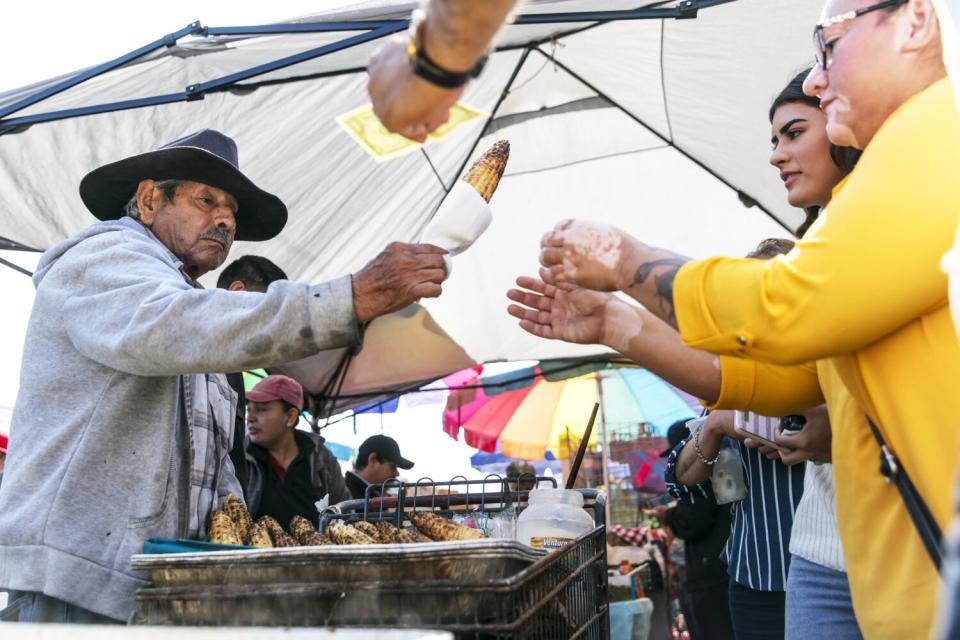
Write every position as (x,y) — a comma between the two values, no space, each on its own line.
(553,518)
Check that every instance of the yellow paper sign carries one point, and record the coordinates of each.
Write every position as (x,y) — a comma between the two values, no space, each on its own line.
(363,126)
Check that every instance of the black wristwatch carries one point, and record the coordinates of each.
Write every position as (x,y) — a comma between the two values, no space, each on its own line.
(423,66)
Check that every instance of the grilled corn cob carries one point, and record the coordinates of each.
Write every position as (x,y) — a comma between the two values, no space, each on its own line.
(485,174)
(222,529)
(234,508)
(259,537)
(387,532)
(279,537)
(305,534)
(365,527)
(345,534)
(300,527)
(315,539)
(390,533)
(437,528)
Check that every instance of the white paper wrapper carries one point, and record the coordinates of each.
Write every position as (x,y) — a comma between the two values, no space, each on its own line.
(460,220)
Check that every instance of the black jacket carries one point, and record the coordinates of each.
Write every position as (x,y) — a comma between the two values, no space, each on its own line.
(324,470)
(704,526)
(238,448)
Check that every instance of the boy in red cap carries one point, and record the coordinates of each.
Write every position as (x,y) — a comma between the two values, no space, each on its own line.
(288,470)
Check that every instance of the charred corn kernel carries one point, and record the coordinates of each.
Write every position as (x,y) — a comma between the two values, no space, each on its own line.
(485,174)
(259,537)
(283,539)
(315,539)
(390,533)
(437,528)
(369,529)
(342,533)
(387,532)
(305,534)
(301,528)
(222,529)
(279,537)
(233,506)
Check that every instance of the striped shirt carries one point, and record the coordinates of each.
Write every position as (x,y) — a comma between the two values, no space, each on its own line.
(815,535)
(758,549)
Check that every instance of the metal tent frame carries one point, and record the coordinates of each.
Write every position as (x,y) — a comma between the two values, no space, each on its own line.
(370,30)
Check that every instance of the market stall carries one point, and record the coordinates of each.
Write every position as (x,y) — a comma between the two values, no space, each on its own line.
(607,117)
(468,556)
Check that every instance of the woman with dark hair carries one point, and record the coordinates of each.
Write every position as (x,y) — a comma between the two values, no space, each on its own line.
(788,119)
(817,590)
(761,566)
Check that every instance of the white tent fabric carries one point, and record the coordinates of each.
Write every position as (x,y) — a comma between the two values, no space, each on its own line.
(651,125)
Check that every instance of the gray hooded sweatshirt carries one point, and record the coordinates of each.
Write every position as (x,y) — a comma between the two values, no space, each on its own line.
(96,463)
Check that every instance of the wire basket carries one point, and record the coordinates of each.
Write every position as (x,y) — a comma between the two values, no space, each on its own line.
(559,595)
(490,495)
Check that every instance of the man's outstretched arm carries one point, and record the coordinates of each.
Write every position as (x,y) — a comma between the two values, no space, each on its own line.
(454,36)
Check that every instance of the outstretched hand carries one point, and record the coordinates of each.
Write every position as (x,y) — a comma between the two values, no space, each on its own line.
(588,254)
(564,312)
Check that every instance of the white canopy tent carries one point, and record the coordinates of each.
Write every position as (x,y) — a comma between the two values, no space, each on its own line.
(652,118)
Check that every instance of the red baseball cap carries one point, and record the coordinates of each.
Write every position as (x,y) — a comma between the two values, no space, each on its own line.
(4,441)
(277,387)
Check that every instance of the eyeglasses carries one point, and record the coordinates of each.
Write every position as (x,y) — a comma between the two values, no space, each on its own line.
(825,36)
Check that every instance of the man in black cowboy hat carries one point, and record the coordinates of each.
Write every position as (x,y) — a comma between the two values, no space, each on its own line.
(133,443)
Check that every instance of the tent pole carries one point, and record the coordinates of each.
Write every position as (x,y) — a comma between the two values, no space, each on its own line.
(606,450)
(486,125)
(16,267)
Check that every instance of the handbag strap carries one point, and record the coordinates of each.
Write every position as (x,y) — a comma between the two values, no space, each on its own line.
(923,521)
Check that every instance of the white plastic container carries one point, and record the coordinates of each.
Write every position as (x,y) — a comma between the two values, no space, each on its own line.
(553,518)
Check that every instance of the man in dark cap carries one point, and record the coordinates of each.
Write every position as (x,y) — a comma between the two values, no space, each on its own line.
(137,447)
(377,461)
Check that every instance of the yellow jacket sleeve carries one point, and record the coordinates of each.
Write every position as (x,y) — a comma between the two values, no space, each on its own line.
(861,272)
(767,389)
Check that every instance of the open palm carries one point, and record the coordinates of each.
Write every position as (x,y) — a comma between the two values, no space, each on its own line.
(568,313)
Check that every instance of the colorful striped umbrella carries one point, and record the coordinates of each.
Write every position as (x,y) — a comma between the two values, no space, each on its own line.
(541,413)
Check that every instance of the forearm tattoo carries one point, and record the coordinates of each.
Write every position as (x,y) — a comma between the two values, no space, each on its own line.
(663,270)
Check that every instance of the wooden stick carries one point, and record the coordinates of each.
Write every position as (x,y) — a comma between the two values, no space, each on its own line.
(575,469)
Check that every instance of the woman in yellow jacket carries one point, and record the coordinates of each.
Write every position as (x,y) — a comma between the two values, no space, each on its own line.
(862,293)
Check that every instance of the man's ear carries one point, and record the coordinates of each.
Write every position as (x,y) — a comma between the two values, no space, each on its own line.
(372,458)
(237,285)
(148,200)
(918,29)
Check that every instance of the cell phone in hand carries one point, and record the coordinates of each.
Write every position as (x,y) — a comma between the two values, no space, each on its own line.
(751,425)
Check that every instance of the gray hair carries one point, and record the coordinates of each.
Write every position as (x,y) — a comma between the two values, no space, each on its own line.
(167,187)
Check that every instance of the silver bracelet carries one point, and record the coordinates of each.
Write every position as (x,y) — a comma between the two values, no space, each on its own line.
(696,445)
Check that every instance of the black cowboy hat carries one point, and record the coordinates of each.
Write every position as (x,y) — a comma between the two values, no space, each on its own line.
(206,156)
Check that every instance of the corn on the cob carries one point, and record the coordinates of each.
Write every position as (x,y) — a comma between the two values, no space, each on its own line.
(369,529)
(486,172)
(341,533)
(222,529)
(234,508)
(279,537)
(437,528)
(315,539)
(305,534)
(387,532)
(300,527)
(259,537)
